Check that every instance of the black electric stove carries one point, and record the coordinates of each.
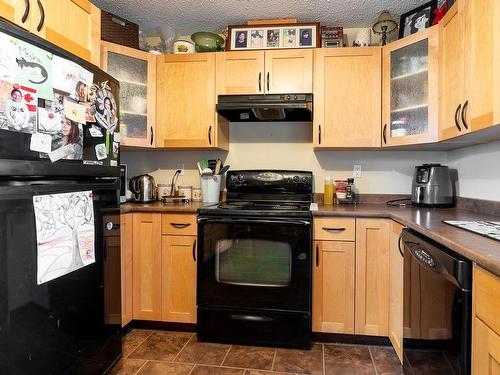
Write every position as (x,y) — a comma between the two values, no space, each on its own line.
(265,193)
(254,261)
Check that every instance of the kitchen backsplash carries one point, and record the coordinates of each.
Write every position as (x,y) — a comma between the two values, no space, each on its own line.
(288,146)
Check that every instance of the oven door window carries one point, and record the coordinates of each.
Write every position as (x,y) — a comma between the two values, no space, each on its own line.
(254,262)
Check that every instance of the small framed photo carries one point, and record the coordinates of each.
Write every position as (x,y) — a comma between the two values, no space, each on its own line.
(417,19)
(254,37)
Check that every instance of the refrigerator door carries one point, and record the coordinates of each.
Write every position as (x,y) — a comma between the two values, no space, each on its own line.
(43,89)
(57,326)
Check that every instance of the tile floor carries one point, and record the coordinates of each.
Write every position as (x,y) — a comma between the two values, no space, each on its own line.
(178,353)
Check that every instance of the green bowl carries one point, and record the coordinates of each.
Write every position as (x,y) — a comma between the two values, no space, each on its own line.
(207,42)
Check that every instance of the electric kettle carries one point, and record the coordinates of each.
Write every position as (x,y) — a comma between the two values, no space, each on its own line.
(143,187)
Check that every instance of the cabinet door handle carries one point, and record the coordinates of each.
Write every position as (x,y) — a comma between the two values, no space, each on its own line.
(26,11)
(317,256)
(152,136)
(267,81)
(210,135)
(319,134)
(42,15)
(180,225)
(326,229)
(384,134)
(456,118)
(194,250)
(260,81)
(464,114)
(399,244)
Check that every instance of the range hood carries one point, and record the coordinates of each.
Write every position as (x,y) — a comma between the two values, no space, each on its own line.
(272,107)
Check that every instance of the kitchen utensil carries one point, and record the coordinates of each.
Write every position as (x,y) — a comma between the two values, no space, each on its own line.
(203,163)
(143,187)
(207,172)
(207,42)
(224,169)
(211,164)
(218,165)
(199,168)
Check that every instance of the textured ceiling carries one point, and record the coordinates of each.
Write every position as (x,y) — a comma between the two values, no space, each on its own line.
(188,16)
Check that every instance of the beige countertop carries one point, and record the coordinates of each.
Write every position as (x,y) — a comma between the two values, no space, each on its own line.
(428,221)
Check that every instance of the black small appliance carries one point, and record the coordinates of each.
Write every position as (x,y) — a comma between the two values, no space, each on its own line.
(254,261)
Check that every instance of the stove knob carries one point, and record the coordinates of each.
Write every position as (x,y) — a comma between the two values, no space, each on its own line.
(288,97)
(241,178)
(305,180)
(233,178)
(296,179)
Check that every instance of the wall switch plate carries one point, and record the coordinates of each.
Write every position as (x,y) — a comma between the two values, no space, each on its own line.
(181,167)
(356,171)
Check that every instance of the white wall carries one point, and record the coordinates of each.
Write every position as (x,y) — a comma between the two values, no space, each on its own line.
(289,146)
(478,170)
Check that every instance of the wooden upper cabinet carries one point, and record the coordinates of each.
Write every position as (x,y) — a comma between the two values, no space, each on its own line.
(186,116)
(347,97)
(481,67)
(74,25)
(17,11)
(179,279)
(289,71)
(470,94)
(410,89)
(372,277)
(146,266)
(452,71)
(240,72)
(333,287)
(136,71)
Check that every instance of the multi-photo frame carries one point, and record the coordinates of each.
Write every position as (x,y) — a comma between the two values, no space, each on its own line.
(255,37)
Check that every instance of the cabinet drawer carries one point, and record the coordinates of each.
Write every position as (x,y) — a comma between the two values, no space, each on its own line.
(486,293)
(334,228)
(178,224)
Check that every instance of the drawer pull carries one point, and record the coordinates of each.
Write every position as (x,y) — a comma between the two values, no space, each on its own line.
(463,115)
(456,118)
(180,225)
(317,255)
(333,229)
(194,251)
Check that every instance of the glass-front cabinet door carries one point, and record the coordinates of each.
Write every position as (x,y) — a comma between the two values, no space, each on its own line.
(136,71)
(410,89)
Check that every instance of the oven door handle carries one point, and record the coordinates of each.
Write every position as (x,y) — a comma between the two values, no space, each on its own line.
(227,220)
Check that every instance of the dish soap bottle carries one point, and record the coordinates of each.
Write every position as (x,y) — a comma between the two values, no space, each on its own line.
(328,195)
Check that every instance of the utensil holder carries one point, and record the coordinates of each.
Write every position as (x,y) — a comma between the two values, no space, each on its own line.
(210,188)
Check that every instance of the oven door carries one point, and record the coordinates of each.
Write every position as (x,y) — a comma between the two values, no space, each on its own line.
(254,263)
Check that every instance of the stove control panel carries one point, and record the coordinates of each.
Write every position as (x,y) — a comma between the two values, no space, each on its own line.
(269,181)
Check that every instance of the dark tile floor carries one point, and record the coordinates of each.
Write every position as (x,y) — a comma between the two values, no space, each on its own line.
(178,353)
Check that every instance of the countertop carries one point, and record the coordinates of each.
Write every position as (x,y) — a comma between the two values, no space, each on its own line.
(427,221)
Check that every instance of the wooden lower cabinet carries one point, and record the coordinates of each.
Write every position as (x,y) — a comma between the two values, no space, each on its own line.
(126,239)
(179,279)
(372,277)
(147,270)
(396,265)
(485,349)
(333,287)
(485,323)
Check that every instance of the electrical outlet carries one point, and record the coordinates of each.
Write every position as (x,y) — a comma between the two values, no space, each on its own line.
(356,171)
(181,167)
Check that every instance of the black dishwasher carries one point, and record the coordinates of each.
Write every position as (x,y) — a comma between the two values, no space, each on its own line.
(437,310)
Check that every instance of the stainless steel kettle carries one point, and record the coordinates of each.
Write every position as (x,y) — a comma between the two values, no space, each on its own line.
(143,187)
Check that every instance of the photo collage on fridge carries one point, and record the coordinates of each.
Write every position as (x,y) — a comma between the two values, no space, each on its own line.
(57,101)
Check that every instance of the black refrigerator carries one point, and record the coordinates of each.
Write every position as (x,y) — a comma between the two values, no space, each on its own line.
(59,194)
